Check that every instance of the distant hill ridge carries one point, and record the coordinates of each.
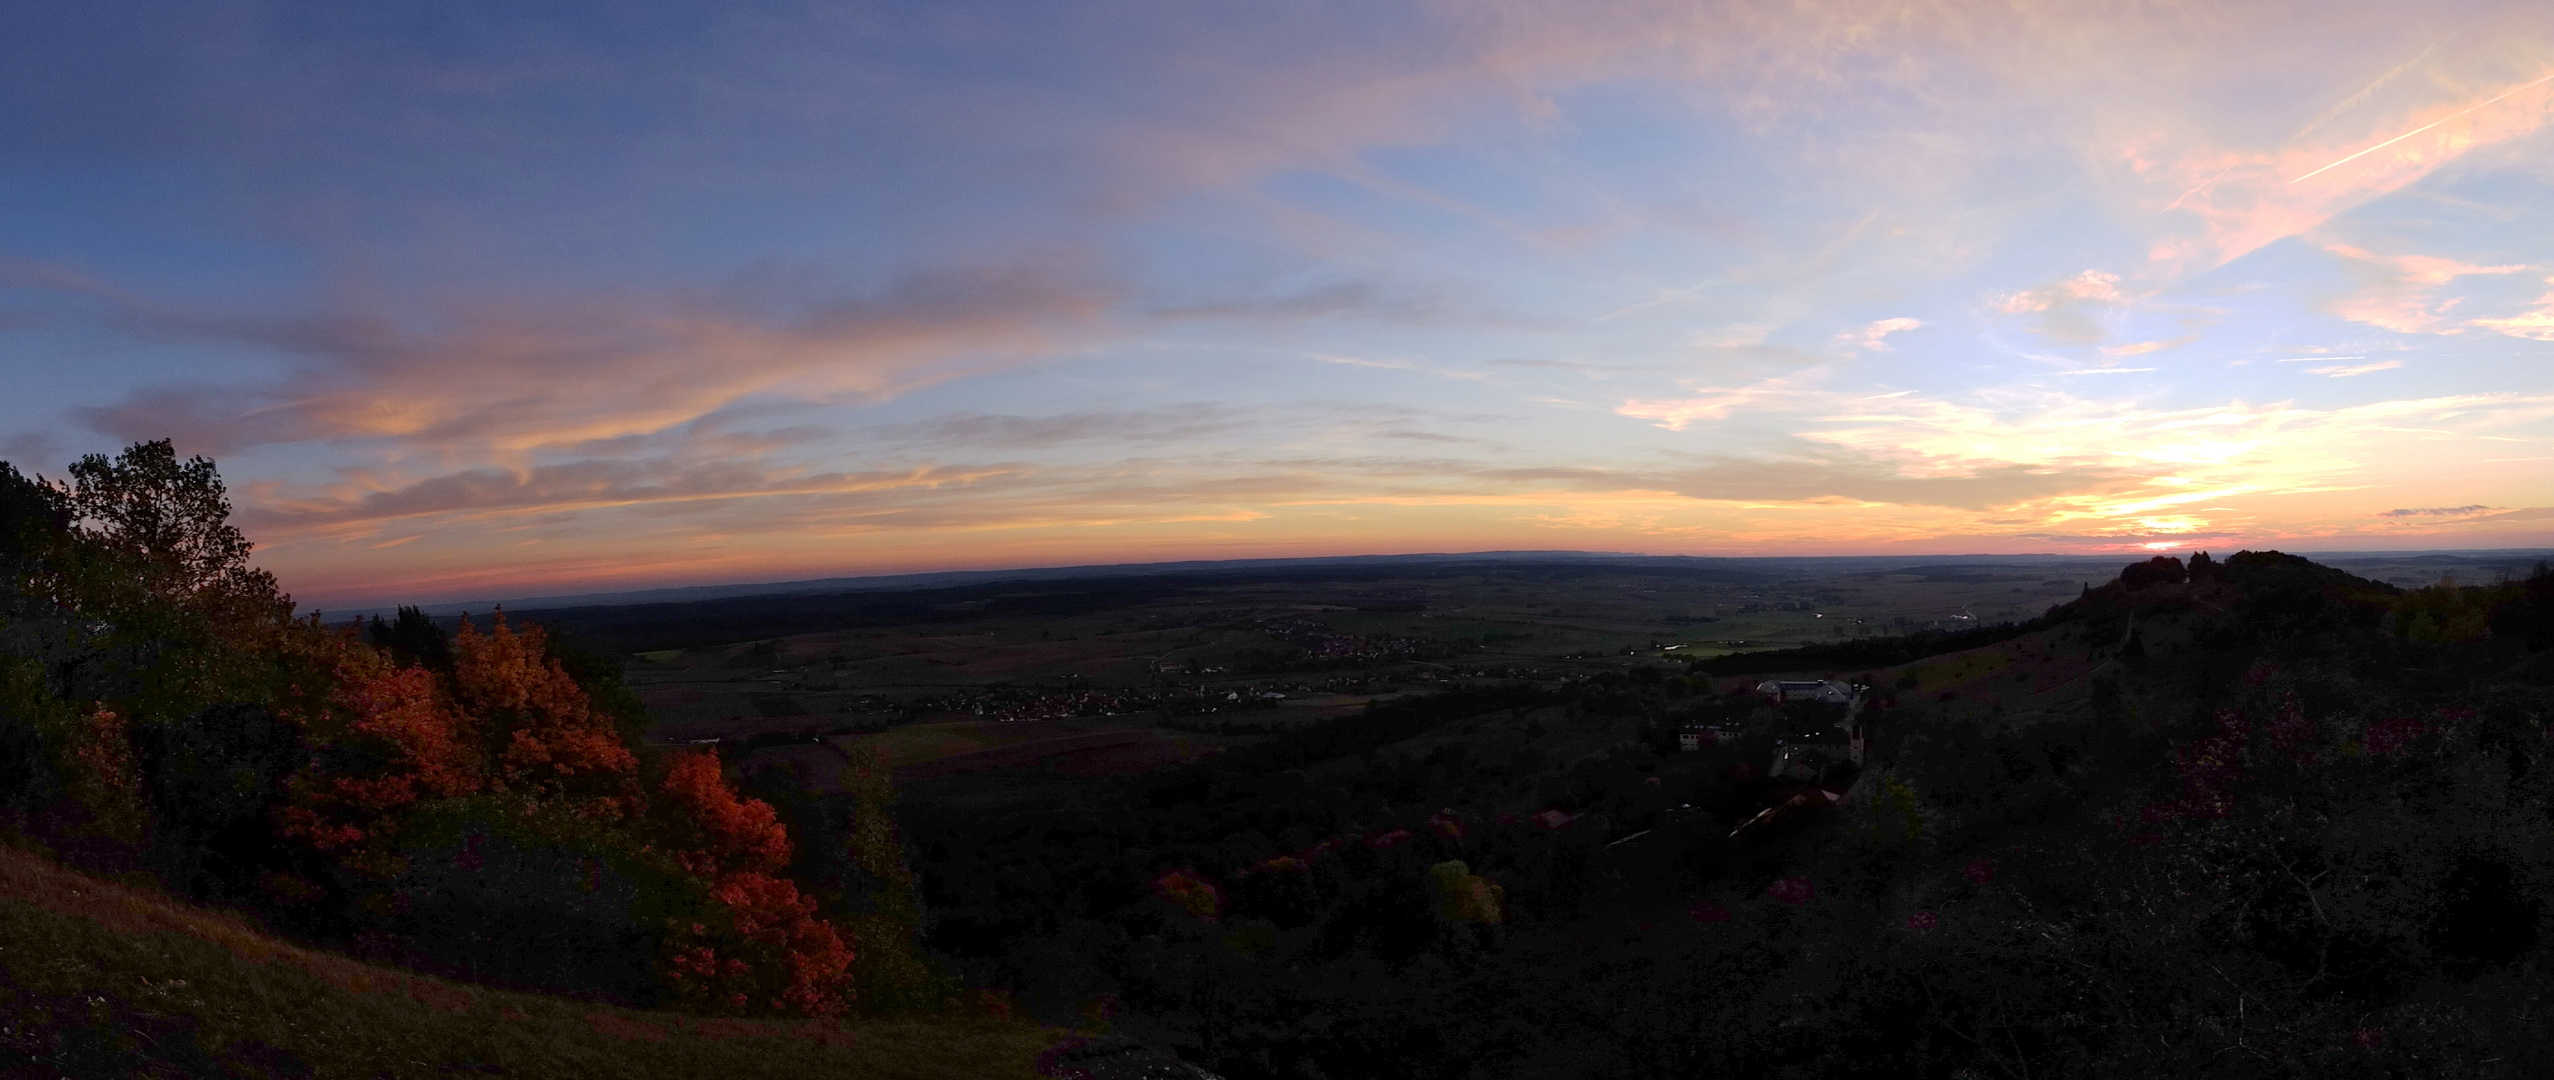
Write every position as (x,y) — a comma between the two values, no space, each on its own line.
(1754,566)
(1750,565)
(2247,583)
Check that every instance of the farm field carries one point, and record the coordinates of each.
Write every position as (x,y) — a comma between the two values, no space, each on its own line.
(954,671)
(1297,645)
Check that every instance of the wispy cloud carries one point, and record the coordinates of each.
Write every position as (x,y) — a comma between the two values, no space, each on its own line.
(1717,403)
(2403,292)
(2071,311)
(2536,323)
(507,381)
(1874,337)
(2141,348)
(987,431)
(2438,511)
(2344,371)
(1355,299)
(2244,199)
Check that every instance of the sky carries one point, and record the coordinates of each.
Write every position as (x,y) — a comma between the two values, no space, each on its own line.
(494,299)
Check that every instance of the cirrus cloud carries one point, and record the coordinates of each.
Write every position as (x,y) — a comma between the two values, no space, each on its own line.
(504,380)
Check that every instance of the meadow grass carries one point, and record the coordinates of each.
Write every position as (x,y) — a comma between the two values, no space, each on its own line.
(104,979)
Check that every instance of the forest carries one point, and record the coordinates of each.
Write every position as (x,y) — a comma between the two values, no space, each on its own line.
(2283,821)
(476,804)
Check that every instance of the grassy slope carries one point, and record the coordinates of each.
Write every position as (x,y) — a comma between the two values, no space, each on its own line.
(97,979)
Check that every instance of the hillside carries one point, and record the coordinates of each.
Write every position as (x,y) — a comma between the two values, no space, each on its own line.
(99,979)
(2253,821)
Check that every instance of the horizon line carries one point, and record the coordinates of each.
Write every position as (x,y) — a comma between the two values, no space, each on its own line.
(866,582)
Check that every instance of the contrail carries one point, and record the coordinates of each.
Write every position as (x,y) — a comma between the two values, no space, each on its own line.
(2221,174)
(2426,127)
(2365,93)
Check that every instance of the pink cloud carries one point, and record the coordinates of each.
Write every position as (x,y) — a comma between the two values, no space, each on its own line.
(2068,311)
(2402,291)
(2246,199)
(2091,286)
(2141,348)
(2344,371)
(1875,336)
(1709,404)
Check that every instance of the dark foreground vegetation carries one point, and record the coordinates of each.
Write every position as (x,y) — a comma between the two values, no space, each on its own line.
(2250,817)
(2296,823)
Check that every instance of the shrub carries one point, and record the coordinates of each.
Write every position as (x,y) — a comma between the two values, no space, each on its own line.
(509,892)
(215,778)
(761,949)
(1191,893)
(1463,896)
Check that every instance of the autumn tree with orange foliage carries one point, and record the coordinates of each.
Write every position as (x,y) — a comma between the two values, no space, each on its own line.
(388,737)
(763,948)
(545,737)
(512,725)
(517,728)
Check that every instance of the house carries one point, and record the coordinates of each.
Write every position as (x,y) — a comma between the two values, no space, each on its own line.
(1807,761)
(1829,691)
(1698,736)
(1813,799)
(1813,760)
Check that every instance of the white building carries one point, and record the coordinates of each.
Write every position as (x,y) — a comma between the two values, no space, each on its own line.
(1827,690)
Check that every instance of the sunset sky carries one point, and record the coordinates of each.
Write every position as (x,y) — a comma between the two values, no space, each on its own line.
(499,299)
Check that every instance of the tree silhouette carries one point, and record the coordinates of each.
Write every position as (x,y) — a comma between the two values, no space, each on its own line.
(414,639)
(167,525)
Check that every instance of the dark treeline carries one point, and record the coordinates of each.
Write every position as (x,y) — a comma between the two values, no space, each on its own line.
(1867,652)
(646,627)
